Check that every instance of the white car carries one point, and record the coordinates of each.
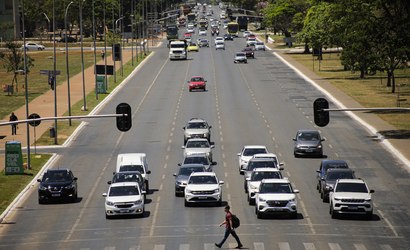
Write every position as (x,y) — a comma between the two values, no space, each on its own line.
(203,187)
(240,57)
(220,45)
(33,46)
(247,153)
(255,163)
(276,196)
(270,156)
(219,38)
(255,179)
(190,30)
(124,198)
(251,42)
(245,34)
(260,46)
(198,146)
(202,32)
(351,196)
(134,162)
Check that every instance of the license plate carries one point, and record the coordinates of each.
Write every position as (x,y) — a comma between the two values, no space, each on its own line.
(202,198)
(55,195)
(309,150)
(352,208)
(124,211)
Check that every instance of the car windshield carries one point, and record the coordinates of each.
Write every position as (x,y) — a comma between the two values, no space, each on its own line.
(258,43)
(188,170)
(192,44)
(339,175)
(125,168)
(127,177)
(206,179)
(124,191)
(260,164)
(335,165)
(275,188)
(259,176)
(240,54)
(196,125)
(308,136)
(351,187)
(253,151)
(197,160)
(57,176)
(197,144)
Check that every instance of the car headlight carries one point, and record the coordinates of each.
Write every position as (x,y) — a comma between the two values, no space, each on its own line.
(262,199)
(41,187)
(178,182)
(298,146)
(109,203)
(292,200)
(137,202)
(319,146)
(252,186)
(216,190)
(368,199)
(71,186)
(337,199)
(329,185)
(187,190)
(205,134)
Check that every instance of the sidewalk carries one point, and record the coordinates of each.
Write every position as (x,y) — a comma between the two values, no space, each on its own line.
(44,104)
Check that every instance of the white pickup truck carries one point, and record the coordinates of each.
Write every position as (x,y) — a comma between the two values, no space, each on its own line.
(178,50)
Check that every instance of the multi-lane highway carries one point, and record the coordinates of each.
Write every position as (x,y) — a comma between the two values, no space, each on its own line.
(262,102)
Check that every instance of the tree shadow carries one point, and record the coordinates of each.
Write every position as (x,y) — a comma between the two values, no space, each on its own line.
(396,134)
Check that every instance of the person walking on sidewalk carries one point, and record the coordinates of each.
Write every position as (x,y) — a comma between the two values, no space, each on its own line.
(229,229)
(102,54)
(13,118)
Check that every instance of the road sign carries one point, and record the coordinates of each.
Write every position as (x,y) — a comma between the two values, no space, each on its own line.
(14,158)
(34,123)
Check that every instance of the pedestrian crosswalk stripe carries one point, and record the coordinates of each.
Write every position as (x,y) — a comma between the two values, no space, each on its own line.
(309,246)
(135,248)
(209,246)
(334,246)
(184,247)
(284,246)
(258,246)
(359,247)
(159,247)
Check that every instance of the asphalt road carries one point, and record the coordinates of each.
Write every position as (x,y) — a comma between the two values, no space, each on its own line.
(262,102)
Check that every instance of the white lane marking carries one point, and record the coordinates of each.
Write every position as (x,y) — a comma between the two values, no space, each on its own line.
(388,223)
(159,247)
(258,246)
(284,245)
(359,247)
(334,246)
(154,217)
(309,246)
(184,247)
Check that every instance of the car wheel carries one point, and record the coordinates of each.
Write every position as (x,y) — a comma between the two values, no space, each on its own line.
(369,215)
(321,194)
(332,212)
(186,203)
(317,187)
(219,203)
(147,186)
(41,201)
(258,214)
(107,216)
(294,215)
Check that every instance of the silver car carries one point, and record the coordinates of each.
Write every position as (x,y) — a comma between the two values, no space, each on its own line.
(240,57)
(197,128)
(198,159)
(181,178)
(308,142)
(198,146)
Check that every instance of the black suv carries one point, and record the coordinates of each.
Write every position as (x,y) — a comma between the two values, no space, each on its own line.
(329,181)
(324,166)
(57,184)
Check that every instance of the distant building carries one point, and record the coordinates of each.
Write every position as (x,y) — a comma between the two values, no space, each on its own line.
(9,20)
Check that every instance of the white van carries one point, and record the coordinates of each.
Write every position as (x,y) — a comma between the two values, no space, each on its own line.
(134,162)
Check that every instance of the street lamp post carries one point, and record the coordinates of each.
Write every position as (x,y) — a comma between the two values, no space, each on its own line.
(66,61)
(54,75)
(82,53)
(48,20)
(113,48)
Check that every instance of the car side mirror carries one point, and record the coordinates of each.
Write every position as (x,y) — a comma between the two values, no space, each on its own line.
(296,191)
(212,146)
(75,178)
(318,171)
(175,174)
(179,164)
(104,194)
(149,172)
(248,179)
(38,180)
(330,189)
(281,168)
(221,182)
(214,163)
(210,126)
(109,182)
(143,192)
(238,154)
(281,164)
(183,128)
(113,173)
(182,146)
(294,139)
(371,191)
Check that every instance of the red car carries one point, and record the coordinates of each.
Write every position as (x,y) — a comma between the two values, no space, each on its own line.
(249,52)
(197,82)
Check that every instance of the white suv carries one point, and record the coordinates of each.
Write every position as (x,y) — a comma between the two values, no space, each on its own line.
(134,162)
(276,196)
(351,196)
(247,153)
(203,187)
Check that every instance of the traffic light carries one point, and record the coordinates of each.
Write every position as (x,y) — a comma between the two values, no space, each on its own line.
(117,52)
(124,122)
(321,117)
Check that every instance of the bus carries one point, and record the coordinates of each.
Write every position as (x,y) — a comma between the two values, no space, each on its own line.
(172,32)
(191,18)
(242,22)
(233,28)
